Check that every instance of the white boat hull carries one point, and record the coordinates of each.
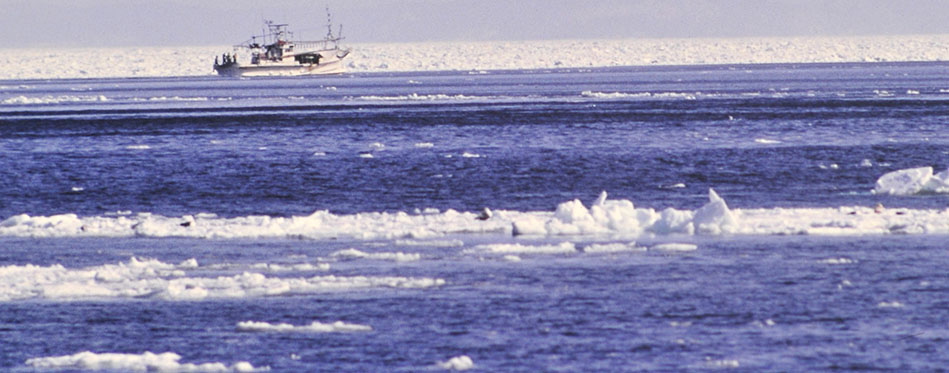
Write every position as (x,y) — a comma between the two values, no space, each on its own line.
(331,67)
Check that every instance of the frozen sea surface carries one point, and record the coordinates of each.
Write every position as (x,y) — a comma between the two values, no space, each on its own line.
(63,63)
(769,217)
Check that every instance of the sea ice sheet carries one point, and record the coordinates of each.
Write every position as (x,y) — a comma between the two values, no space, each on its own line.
(476,56)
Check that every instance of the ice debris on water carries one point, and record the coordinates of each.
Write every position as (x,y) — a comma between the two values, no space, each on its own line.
(394,256)
(150,278)
(145,362)
(314,327)
(675,247)
(462,362)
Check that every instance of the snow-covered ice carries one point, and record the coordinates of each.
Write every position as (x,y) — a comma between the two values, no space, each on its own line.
(48,63)
(606,217)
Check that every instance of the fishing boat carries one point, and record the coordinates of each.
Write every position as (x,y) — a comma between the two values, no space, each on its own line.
(275,53)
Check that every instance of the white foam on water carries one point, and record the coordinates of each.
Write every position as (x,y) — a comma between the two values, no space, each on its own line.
(418,97)
(462,362)
(470,155)
(767,141)
(424,145)
(145,362)
(723,363)
(314,327)
(431,243)
(300,267)
(642,95)
(138,147)
(614,95)
(516,248)
(837,261)
(174,99)
(893,304)
(675,247)
(396,256)
(46,100)
(613,248)
(149,278)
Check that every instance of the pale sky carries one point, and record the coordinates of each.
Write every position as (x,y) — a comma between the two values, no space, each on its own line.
(79,23)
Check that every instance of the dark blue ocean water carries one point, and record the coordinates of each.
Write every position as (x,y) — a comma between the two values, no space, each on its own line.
(768,136)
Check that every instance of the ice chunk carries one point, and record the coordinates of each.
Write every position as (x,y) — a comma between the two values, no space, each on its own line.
(674,221)
(913,181)
(903,182)
(573,212)
(601,200)
(528,225)
(714,217)
(939,183)
(571,218)
(462,362)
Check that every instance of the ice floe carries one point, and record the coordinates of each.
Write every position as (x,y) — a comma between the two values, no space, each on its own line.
(920,180)
(462,362)
(145,362)
(149,278)
(314,327)
(605,217)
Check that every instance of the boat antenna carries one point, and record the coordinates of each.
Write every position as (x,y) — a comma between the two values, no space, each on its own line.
(329,23)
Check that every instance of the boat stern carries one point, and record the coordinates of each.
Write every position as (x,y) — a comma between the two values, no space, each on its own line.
(230,69)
